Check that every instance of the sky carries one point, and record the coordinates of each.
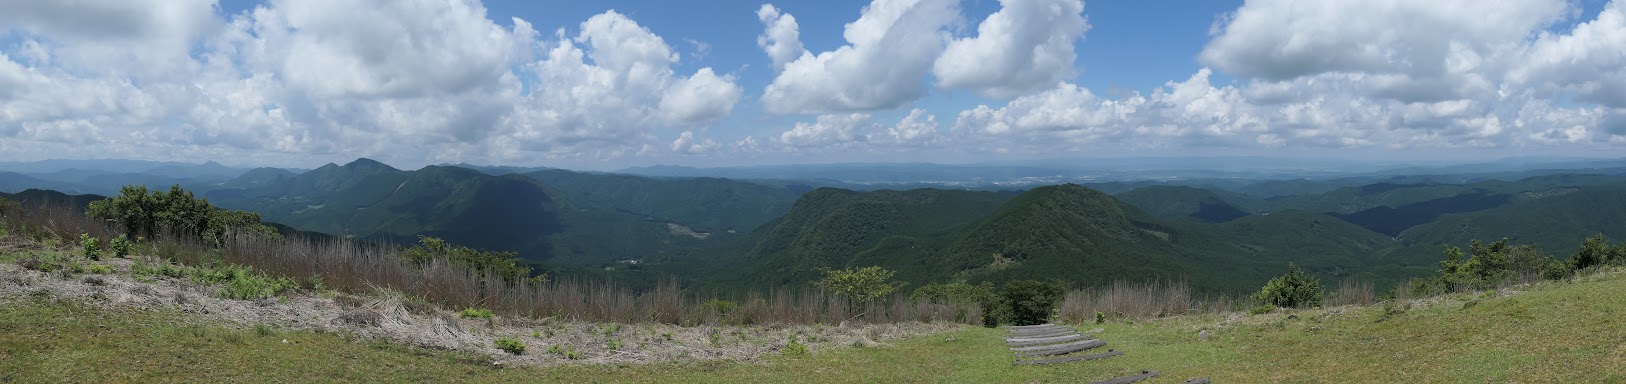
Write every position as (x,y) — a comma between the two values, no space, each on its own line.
(603,85)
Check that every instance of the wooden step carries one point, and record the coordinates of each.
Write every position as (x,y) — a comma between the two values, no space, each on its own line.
(1069,348)
(1048,340)
(1069,359)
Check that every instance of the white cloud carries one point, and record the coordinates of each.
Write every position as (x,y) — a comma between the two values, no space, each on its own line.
(687,143)
(834,130)
(1588,62)
(1285,39)
(890,49)
(781,38)
(1026,46)
(605,108)
(918,128)
(295,78)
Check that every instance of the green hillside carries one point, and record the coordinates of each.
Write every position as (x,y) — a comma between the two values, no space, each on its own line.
(834,228)
(1555,221)
(703,204)
(1068,233)
(1173,202)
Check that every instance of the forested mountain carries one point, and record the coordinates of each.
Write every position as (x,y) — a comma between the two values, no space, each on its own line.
(727,233)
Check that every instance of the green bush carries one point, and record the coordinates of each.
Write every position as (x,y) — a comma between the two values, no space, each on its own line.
(121,246)
(93,247)
(1261,309)
(1296,289)
(962,296)
(794,348)
(101,269)
(504,264)
(256,286)
(859,284)
(177,211)
(1029,302)
(511,345)
(475,313)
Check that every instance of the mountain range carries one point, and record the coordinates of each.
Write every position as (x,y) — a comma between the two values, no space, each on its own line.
(1225,237)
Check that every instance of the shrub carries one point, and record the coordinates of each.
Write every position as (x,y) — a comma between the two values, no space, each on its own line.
(1296,289)
(511,345)
(93,247)
(101,269)
(504,264)
(256,286)
(1030,302)
(859,284)
(1100,317)
(962,297)
(121,246)
(146,213)
(475,313)
(794,348)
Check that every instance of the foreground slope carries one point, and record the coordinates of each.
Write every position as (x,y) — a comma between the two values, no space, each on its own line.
(1553,332)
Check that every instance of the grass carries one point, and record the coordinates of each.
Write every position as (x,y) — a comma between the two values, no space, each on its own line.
(1560,332)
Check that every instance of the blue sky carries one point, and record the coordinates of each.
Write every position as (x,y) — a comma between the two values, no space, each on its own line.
(609,84)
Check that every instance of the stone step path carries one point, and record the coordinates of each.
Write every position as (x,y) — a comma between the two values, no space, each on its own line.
(1056,344)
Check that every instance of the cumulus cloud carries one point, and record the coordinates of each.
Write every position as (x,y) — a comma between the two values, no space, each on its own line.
(781,38)
(1588,62)
(1024,47)
(294,78)
(826,131)
(891,47)
(686,143)
(1285,39)
(1353,74)
(604,108)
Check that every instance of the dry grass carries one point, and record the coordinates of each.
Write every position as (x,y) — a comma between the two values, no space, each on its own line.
(1143,300)
(361,268)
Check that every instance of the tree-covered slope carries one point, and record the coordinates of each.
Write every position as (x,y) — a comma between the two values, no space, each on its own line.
(703,204)
(1174,202)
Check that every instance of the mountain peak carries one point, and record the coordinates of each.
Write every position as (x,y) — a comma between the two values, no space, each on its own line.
(367,163)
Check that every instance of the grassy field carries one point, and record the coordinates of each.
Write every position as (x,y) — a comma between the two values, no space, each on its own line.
(1562,332)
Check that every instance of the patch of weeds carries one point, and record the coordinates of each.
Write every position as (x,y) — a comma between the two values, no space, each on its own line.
(96,281)
(511,345)
(1392,310)
(614,344)
(565,352)
(263,331)
(1262,309)
(145,270)
(794,348)
(256,286)
(610,329)
(475,313)
(101,269)
(666,335)
(715,337)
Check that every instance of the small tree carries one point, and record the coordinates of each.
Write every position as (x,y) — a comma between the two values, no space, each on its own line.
(859,285)
(1296,289)
(1029,302)
(1595,251)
